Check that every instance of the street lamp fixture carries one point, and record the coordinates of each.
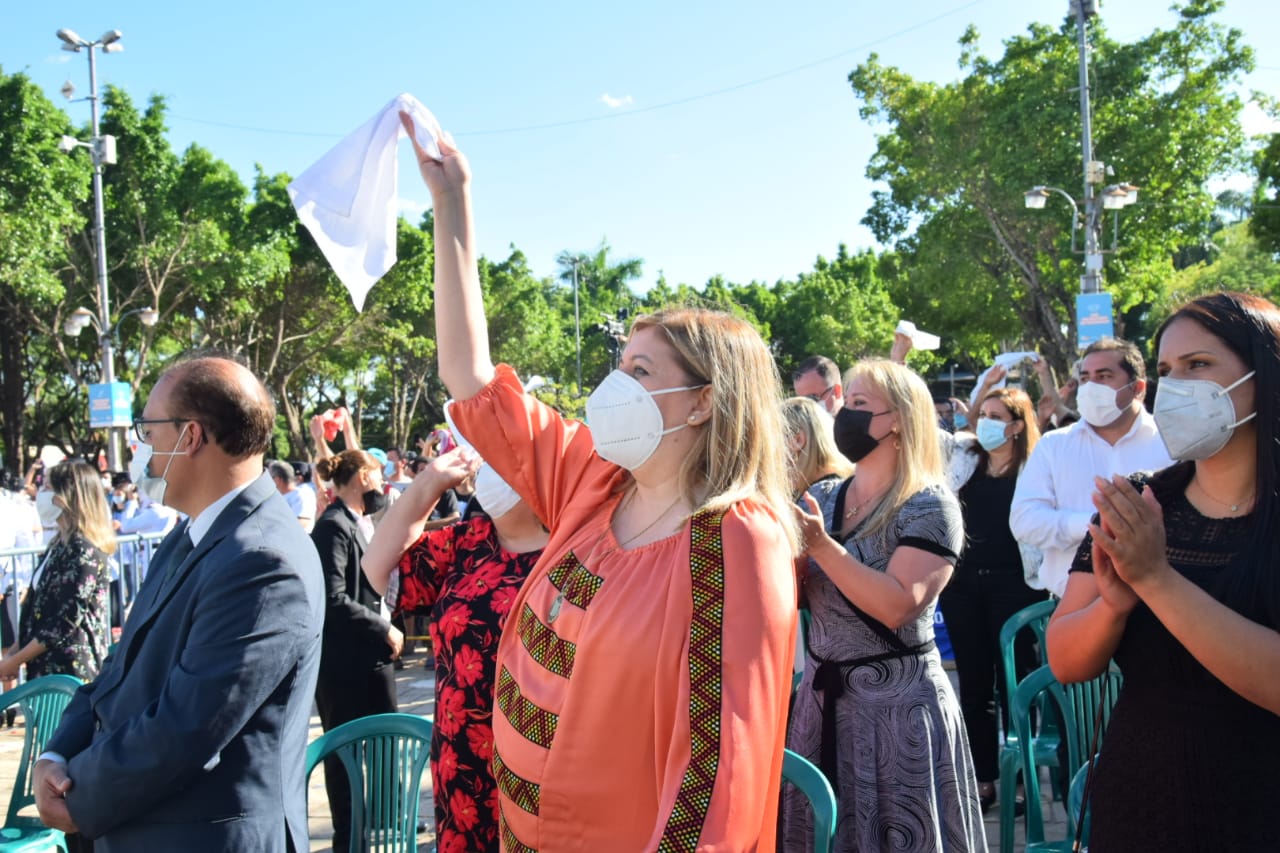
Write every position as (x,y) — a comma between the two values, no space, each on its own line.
(81,318)
(102,149)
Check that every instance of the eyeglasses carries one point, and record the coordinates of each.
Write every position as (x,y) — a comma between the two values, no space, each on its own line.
(818,398)
(140,424)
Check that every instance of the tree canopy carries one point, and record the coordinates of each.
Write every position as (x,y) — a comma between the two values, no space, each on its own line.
(229,266)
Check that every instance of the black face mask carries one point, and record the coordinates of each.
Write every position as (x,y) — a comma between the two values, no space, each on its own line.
(853,433)
(374,501)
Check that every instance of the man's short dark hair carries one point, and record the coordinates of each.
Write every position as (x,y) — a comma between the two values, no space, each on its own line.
(820,364)
(301,470)
(1130,355)
(232,405)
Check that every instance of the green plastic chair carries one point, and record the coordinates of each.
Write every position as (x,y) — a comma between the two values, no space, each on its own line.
(1075,800)
(811,781)
(42,701)
(1044,745)
(1078,705)
(385,756)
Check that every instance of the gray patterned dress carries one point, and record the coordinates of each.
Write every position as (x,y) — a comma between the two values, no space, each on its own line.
(895,748)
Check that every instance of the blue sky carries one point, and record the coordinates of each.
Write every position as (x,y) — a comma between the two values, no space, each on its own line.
(703,138)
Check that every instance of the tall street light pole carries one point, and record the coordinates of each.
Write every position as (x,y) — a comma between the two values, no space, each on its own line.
(102,151)
(577,325)
(1094,173)
(1092,310)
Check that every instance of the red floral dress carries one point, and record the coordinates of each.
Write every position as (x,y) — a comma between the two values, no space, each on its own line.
(467,582)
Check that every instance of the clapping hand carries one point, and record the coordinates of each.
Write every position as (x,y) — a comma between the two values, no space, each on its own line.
(1130,532)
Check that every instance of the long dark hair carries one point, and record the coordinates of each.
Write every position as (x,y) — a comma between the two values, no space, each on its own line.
(1250,327)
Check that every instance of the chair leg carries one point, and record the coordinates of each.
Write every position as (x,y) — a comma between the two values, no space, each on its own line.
(1010,761)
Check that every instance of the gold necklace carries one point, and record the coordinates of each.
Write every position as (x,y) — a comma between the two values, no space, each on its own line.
(554,612)
(1233,507)
(858,507)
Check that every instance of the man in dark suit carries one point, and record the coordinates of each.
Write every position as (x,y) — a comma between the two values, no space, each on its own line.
(194,735)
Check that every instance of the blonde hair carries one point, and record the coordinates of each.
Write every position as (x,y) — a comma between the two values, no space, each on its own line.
(78,490)
(819,456)
(739,453)
(919,463)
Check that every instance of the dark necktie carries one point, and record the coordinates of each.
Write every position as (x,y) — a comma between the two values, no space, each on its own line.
(182,549)
(161,571)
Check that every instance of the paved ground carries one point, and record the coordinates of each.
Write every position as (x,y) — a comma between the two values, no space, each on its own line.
(416,694)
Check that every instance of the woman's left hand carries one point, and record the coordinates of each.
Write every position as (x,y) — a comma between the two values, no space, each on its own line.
(1132,530)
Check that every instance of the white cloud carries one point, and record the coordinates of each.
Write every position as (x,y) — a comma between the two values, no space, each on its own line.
(1254,121)
(614,103)
(410,209)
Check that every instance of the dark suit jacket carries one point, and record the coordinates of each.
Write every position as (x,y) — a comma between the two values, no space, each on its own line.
(194,736)
(355,634)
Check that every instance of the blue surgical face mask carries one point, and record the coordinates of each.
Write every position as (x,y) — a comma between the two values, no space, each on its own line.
(389,470)
(991,433)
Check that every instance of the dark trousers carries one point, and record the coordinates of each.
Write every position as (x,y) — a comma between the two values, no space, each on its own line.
(340,698)
(975,606)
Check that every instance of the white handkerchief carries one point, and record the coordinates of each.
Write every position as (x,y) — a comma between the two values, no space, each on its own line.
(347,198)
(1007,360)
(920,339)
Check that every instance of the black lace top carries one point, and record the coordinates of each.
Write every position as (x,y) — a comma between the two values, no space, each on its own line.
(1186,763)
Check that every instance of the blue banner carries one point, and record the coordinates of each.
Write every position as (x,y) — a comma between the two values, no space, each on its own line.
(1093,318)
(110,405)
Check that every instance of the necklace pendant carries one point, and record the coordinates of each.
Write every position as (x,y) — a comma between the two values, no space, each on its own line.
(554,612)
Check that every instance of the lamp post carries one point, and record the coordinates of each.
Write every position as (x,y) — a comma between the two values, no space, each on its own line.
(577,324)
(102,150)
(1112,197)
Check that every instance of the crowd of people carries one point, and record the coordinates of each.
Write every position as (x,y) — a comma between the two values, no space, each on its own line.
(613,605)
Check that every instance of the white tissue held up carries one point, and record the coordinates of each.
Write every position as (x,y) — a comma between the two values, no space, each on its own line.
(347,198)
(1007,360)
(919,339)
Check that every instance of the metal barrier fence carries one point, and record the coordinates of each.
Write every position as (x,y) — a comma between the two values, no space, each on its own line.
(128,568)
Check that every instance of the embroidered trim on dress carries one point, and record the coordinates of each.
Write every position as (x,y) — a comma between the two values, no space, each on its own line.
(525,794)
(706,566)
(537,725)
(575,581)
(510,843)
(545,646)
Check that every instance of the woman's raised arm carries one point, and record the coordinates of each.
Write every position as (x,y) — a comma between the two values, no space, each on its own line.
(462,336)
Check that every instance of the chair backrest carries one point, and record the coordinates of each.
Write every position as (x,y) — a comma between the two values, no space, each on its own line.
(1075,802)
(1078,706)
(42,701)
(385,757)
(802,773)
(1034,618)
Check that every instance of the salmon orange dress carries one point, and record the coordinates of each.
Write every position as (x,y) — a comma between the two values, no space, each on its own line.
(641,693)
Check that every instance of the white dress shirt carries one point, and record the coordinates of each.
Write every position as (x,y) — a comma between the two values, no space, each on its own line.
(1053,502)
